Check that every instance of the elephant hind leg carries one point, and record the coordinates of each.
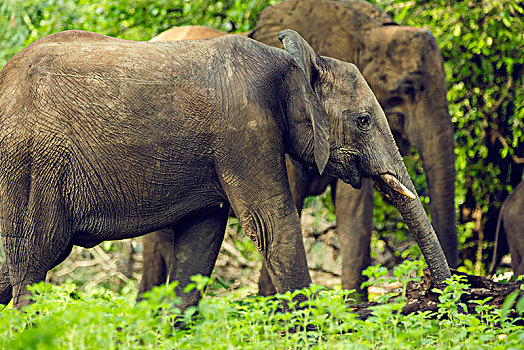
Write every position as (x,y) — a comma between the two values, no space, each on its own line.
(517,261)
(33,246)
(31,266)
(36,272)
(513,222)
(513,228)
(196,245)
(6,290)
(157,248)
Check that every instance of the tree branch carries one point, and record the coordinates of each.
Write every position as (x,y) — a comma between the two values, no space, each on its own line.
(503,96)
(502,140)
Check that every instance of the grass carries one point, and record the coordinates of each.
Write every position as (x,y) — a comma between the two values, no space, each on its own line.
(64,318)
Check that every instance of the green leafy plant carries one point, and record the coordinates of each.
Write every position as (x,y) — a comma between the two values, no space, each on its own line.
(62,317)
(22,22)
(481,42)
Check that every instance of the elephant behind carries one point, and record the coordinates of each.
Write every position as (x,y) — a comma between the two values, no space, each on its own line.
(404,68)
(510,224)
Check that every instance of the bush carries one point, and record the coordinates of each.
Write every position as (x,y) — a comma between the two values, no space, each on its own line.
(482,45)
(63,318)
(22,22)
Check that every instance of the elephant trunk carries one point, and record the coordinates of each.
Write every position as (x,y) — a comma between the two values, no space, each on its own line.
(438,159)
(415,217)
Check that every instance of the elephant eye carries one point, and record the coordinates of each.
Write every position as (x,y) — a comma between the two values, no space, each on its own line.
(394,101)
(410,91)
(363,121)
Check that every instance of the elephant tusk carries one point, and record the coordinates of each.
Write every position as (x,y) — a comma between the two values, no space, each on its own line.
(395,184)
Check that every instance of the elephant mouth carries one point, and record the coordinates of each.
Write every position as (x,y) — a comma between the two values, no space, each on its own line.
(346,168)
(393,183)
(354,179)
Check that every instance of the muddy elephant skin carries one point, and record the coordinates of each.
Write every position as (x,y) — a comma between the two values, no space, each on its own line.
(404,68)
(104,139)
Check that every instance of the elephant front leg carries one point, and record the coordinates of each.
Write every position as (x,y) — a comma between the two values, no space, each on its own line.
(195,249)
(265,285)
(274,227)
(255,182)
(299,186)
(354,211)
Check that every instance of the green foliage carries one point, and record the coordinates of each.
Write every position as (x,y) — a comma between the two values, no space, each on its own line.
(64,318)
(378,276)
(489,328)
(482,45)
(22,22)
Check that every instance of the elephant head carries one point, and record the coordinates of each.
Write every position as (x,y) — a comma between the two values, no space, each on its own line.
(359,142)
(403,67)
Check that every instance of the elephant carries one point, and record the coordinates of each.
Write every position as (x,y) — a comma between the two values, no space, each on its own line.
(510,224)
(404,68)
(189,33)
(106,139)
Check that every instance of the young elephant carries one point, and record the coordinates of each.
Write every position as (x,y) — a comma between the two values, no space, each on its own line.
(511,225)
(106,139)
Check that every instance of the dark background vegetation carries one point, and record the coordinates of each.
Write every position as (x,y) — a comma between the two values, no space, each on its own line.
(483,47)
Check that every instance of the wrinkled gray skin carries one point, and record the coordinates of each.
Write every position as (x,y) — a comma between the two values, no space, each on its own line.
(511,225)
(404,68)
(104,139)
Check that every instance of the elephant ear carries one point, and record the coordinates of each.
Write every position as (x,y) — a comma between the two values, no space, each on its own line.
(308,60)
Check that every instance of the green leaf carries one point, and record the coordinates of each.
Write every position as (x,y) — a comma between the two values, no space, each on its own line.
(508,303)
(520,306)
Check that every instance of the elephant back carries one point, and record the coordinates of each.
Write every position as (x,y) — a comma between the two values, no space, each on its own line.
(374,12)
(317,20)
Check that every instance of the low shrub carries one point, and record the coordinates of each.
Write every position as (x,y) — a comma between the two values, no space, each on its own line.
(63,318)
